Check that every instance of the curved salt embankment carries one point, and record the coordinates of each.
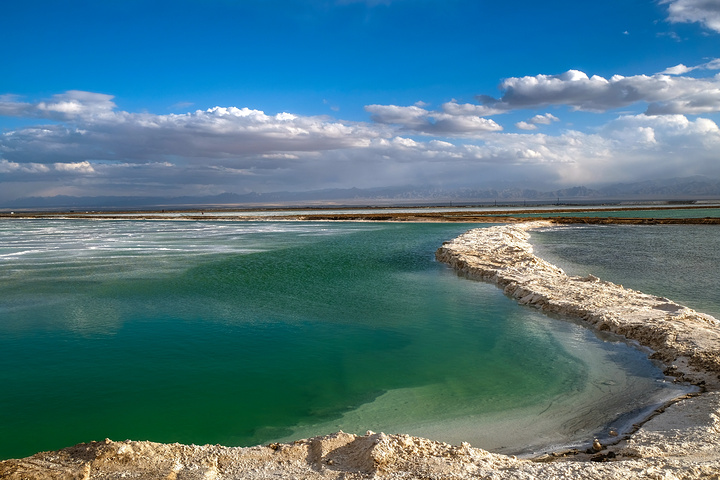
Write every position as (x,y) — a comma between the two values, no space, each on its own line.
(688,342)
(682,442)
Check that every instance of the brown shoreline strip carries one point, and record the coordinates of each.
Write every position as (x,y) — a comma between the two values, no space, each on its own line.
(451,217)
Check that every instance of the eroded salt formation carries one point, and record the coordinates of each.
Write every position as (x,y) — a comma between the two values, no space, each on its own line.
(682,442)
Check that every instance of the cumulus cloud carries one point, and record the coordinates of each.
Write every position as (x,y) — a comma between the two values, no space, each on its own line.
(455,120)
(92,129)
(705,12)
(664,93)
(532,124)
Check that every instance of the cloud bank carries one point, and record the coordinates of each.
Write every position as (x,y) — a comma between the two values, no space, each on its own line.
(664,93)
(80,143)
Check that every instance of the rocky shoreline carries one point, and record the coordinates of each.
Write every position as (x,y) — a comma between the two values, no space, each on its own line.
(682,441)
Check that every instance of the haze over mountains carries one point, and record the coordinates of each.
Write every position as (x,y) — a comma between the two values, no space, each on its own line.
(675,189)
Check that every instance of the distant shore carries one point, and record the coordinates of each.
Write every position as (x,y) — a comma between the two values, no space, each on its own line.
(655,214)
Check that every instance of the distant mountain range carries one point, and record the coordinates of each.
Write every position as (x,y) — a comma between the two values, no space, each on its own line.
(670,190)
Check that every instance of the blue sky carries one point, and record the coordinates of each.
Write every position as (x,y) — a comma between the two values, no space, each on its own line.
(191,97)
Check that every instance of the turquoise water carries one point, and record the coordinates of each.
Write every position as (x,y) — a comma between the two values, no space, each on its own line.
(244,333)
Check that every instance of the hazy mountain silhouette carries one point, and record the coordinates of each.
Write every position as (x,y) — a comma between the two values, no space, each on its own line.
(675,189)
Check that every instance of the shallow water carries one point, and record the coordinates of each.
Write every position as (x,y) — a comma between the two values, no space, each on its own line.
(546,210)
(244,333)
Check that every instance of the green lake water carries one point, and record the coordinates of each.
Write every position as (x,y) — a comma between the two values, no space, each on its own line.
(245,333)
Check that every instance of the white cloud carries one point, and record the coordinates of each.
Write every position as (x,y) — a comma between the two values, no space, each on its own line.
(439,144)
(665,94)
(412,117)
(75,103)
(14,167)
(77,167)
(404,142)
(675,129)
(705,12)
(628,148)
(545,119)
(677,70)
(65,106)
(712,64)
(532,124)
(454,108)
(460,121)
(681,69)
(462,124)
(526,126)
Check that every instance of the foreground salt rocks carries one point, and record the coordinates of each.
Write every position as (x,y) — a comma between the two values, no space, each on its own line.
(684,448)
(681,442)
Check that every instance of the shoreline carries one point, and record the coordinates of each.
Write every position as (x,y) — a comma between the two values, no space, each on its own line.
(681,440)
(481,214)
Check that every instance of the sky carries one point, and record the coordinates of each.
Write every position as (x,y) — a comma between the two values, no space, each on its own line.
(189,97)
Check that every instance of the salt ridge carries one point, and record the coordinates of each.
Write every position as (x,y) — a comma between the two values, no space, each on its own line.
(688,342)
